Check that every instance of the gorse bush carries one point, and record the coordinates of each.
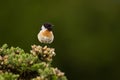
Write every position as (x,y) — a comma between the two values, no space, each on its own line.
(15,64)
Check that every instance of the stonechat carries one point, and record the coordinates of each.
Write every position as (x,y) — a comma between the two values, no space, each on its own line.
(46,35)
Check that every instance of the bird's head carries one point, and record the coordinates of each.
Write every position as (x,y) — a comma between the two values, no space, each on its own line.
(48,26)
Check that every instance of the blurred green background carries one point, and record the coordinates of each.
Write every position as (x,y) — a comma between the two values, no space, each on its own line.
(87,33)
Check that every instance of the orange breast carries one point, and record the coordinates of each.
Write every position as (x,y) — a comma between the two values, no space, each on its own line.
(47,33)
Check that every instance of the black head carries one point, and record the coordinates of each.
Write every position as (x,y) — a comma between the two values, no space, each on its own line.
(48,26)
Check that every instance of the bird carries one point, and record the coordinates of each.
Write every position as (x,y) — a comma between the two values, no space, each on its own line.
(45,35)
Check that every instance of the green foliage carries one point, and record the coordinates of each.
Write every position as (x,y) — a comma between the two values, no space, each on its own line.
(15,64)
(8,76)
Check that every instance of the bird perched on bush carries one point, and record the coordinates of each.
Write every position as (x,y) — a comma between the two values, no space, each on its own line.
(46,35)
